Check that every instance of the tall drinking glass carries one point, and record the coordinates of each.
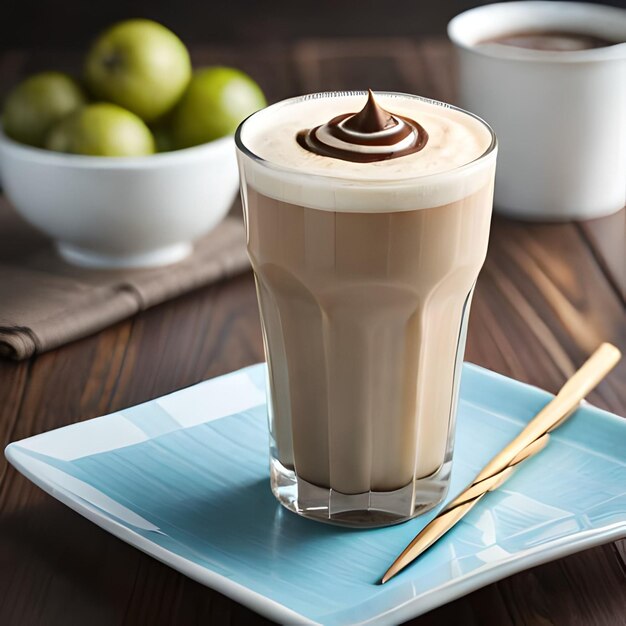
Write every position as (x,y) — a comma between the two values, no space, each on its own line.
(364,278)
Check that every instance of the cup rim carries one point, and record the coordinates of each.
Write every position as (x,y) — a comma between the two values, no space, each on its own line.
(42,156)
(458,28)
(370,182)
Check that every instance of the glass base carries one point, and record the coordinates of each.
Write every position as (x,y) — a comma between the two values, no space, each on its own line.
(371,509)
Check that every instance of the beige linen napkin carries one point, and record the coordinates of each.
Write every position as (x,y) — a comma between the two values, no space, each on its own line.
(44,302)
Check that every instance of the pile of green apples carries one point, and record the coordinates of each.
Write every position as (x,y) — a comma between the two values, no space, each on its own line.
(139,96)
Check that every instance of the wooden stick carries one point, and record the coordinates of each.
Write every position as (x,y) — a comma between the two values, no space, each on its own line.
(529,442)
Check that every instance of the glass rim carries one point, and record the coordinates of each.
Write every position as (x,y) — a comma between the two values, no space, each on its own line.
(287,170)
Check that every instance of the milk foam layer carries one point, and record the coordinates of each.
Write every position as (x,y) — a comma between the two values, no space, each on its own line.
(445,170)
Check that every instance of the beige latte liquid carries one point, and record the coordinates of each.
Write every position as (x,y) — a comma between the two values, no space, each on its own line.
(363,317)
(364,274)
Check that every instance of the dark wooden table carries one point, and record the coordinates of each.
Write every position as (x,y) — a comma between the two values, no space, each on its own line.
(548,294)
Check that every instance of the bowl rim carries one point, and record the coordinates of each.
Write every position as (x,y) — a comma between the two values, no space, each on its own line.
(61,159)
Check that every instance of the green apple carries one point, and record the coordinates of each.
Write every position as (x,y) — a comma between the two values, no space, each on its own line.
(102,129)
(39,102)
(215,102)
(140,65)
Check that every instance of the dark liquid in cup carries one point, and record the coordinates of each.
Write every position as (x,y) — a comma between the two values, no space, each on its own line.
(551,40)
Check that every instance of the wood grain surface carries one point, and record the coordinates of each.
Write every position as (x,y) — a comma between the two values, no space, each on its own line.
(548,294)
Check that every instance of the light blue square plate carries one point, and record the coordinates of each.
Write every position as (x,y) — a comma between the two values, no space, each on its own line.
(185,479)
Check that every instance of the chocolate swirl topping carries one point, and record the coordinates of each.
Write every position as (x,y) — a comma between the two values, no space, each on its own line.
(371,135)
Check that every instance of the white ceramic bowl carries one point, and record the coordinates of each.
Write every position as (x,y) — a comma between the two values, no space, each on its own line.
(121,212)
(560,117)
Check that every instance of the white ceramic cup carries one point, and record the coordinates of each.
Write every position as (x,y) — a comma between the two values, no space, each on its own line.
(560,117)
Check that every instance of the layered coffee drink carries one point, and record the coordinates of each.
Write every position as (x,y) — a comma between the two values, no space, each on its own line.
(367,222)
